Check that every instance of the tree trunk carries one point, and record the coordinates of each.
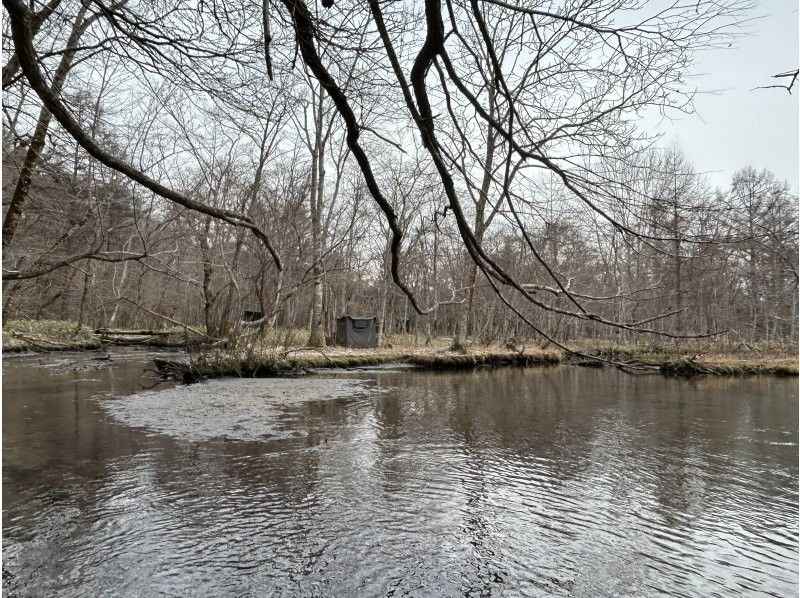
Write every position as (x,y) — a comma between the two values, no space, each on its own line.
(382,319)
(208,272)
(87,276)
(25,177)
(316,338)
(471,268)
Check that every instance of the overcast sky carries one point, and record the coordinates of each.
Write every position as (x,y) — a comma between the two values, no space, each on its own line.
(737,127)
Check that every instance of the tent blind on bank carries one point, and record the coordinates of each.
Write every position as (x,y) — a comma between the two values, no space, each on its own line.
(357,332)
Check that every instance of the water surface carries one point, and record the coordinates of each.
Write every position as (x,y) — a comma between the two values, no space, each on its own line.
(507,482)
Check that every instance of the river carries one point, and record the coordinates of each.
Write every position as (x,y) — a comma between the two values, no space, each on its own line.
(549,481)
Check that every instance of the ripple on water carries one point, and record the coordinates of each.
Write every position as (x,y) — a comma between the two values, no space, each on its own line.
(502,483)
(234,409)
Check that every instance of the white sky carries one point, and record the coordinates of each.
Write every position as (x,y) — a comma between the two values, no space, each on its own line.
(736,127)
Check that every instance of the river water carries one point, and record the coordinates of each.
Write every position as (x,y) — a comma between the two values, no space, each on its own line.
(548,481)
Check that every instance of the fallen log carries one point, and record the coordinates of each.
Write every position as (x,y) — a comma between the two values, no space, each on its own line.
(176,370)
(108,332)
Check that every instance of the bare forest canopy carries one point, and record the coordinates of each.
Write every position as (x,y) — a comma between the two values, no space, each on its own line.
(470,168)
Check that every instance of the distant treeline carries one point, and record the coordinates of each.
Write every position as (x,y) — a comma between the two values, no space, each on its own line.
(739,275)
(464,169)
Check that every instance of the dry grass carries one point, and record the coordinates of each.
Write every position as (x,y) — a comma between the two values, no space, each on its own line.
(697,358)
(275,351)
(263,359)
(47,335)
(62,335)
(687,347)
(726,365)
(222,362)
(411,341)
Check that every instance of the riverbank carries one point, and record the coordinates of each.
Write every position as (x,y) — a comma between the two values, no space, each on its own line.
(43,336)
(671,361)
(694,358)
(218,363)
(279,352)
(684,360)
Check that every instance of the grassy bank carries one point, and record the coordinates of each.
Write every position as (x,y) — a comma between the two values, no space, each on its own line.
(47,335)
(280,351)
(695,358)
(217,363)
(60,335)
(673,361)
(267,356)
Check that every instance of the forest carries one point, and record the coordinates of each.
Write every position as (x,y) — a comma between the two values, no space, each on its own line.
(469,170)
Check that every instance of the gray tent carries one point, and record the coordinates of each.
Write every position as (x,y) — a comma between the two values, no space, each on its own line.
(357,331)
